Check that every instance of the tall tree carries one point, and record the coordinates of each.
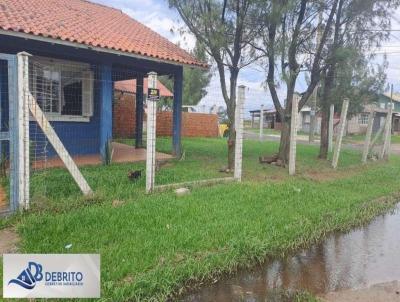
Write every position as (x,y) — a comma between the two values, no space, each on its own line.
(359,26)
(357,79)
(287,41)
(195,80)
(226,29)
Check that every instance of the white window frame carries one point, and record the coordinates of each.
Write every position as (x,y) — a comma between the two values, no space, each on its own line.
(363,118)
(54,65)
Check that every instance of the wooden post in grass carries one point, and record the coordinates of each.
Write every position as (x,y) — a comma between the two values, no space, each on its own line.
(342,127)
(293,136)
(151,135)
(261,122)
(330,130)
(239,132)
(368,137)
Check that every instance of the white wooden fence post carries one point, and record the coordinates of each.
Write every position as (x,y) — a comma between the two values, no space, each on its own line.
(261,122)
(368,137)
(151,135)
(342,127)
(23,125)
(330,130)
(293,136)
(239,132)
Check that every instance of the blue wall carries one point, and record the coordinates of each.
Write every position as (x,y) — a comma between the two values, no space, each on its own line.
(79,138)
(4,145)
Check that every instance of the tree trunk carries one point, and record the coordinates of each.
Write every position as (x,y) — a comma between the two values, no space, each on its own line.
(231,149)
(325,111)
(284,145)
(231,107)
(323,149)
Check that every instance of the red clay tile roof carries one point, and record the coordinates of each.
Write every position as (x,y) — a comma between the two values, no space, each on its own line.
(91,24)
(130,86)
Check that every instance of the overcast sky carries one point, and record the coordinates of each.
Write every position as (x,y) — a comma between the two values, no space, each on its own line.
(158,16)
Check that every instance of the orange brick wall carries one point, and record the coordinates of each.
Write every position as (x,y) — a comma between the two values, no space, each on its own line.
(124,115)
(193,124)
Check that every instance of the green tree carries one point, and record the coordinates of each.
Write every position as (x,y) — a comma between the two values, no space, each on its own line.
(287,44)
(226,29)
(195,80)
(359,26)
(357,79)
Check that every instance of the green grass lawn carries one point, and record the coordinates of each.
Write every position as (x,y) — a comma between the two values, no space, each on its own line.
(155,246)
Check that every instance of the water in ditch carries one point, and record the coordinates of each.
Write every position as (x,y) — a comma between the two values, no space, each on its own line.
(363,257)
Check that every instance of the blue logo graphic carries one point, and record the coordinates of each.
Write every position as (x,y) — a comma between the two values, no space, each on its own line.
(29,276)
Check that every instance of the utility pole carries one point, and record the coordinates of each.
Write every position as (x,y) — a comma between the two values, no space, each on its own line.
(314,96)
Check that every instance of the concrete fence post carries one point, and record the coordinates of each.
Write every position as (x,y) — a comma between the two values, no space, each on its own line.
(342,127)
(239,132)
(293,136)
(23,129)
(330,129)
(261,122)
(368,137)
(151,135)
(387,134)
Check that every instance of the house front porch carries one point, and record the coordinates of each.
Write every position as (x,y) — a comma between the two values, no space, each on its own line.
(121,153)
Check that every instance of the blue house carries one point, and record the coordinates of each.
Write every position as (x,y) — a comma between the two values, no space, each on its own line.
(78,51)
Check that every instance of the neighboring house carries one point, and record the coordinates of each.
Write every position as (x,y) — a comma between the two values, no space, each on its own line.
(124,106)
(271,120)
(384,101)
(304,120)
(358,123)
(79,50)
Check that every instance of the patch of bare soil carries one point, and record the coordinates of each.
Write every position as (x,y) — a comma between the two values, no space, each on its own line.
(9,240)
(3,200)
(384,292)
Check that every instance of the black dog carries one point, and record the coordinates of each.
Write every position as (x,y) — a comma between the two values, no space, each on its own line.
(135,175)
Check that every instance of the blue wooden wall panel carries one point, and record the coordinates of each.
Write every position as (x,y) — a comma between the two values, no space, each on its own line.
(177,112)
(4,106)
(139,112)
(79,138)
(106,97)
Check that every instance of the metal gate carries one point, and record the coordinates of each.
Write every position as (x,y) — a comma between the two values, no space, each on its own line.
(9,134)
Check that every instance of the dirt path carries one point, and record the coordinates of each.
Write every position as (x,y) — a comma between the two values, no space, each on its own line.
(384,292)
(8,241)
